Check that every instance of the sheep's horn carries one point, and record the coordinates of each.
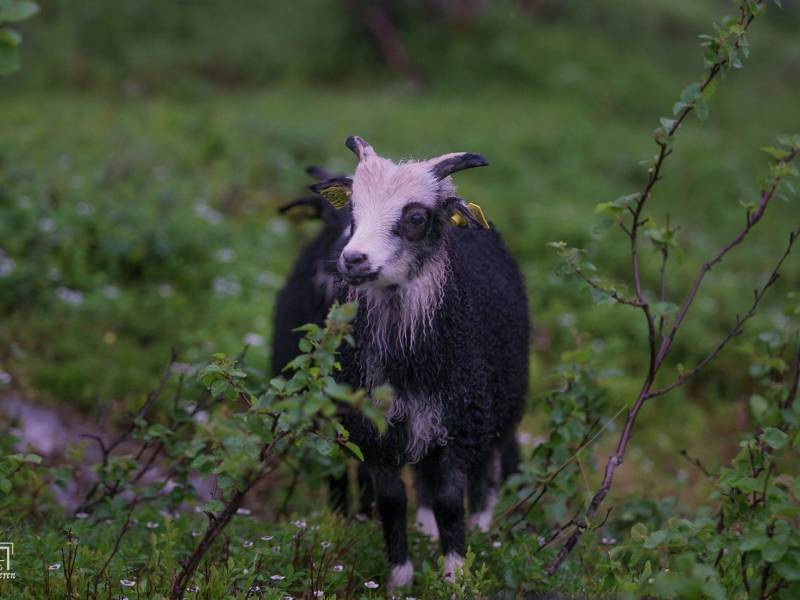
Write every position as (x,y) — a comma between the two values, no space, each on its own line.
(359,147)
(448,164)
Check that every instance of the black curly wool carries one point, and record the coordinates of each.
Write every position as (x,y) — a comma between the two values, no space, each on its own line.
(468,371)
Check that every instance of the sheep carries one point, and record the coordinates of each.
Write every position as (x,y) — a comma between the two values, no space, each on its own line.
(443,319)
(306,298)
(310,289)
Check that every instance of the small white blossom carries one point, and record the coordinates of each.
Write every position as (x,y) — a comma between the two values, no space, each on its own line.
(276,549)
(152,525)
(254,339)
(227,286)
(300,524)
(319,594)
(7,264)
(195,534)
(371,585)
(277,578)
(325,545)
(608,541)
(81,515)
(496,544)
(47,225)
(193,589)
(245,512)
(55,566)
(127,583)
(267,538)
(69,296)
(225,255)
(205,212)
(247,544)
(338,568)
(278,226)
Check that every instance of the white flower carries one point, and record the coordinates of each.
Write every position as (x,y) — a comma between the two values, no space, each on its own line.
(7,264)
(254,588)
(55,566)
(47,225)
(254,339)
(496,544)
(247,544)
(152,525)
(81,515)
(608,541)
(325,545)
(319,594)
(338,568)
(225,255)
(371,585)
(267,538)
(300,524)
(69,296)
(278,226)
(127,583)
(276,549)
(193,589)
(205,212)
(277,578)
(245,512)
(227,286)
(195,534)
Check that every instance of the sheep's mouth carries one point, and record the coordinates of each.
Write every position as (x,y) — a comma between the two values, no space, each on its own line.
(356,280)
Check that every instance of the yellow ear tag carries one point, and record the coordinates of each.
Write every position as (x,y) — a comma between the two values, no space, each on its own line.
(477,211)
(458,219)
(337,195)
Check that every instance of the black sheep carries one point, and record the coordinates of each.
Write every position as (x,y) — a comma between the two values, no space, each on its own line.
(443,319)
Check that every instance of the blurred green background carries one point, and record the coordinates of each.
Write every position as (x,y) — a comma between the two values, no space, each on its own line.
(145,147)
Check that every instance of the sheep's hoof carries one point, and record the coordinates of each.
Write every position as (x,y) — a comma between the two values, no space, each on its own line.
(401,576)
(426,523)
(481,521)
(453,564)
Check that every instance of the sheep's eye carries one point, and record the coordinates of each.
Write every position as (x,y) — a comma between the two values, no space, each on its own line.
(416,219)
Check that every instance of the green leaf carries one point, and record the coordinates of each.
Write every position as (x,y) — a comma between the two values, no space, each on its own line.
(774,438)
(17,10)
(5,485)
(353,447)
(219,387)
(9,58)
(213,506)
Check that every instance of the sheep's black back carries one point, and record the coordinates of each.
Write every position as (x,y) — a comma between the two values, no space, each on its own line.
(303,300)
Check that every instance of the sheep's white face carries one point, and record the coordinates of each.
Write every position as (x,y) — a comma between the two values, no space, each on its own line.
(400,212)
(394,228)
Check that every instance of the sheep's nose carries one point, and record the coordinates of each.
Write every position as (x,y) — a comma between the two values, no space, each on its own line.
(354,259)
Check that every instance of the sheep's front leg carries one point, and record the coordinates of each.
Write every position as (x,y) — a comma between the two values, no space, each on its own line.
(448,507)
(390,494)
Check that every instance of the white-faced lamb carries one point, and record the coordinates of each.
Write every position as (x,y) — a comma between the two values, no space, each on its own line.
(443,319)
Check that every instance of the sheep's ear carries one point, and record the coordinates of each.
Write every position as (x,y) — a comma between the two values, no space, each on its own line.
(336,190)
(466,214)
(447,164)
(309,207)
(359,147)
